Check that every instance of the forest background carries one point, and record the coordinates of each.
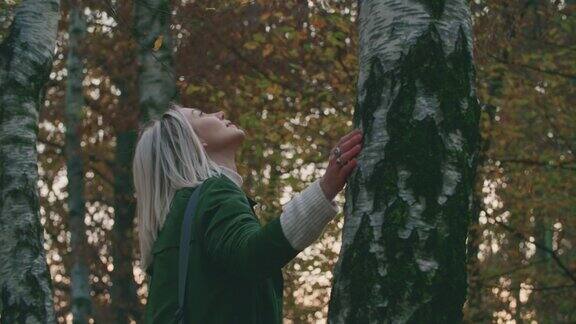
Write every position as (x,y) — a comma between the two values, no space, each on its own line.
(286,71)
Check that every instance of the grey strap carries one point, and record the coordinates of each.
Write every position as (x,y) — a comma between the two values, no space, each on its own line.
(184,251)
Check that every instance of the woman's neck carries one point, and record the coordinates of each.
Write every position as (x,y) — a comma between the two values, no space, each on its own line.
(229,169)
(225,160)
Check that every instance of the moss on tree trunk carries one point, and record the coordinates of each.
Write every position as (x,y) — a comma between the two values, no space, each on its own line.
(403,257)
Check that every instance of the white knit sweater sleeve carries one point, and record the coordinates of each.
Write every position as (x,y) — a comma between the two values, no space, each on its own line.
(304,217)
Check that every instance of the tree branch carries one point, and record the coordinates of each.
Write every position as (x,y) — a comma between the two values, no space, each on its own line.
(102,176)
(557,164)
(566,143)
(558,287)
(533,68)
(91,156)
(553,253)
(51,144)
(510,271)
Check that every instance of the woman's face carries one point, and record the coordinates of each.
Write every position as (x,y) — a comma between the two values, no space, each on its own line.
(214,130)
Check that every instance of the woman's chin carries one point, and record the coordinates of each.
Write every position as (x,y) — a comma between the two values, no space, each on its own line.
(237,129)
(239,133)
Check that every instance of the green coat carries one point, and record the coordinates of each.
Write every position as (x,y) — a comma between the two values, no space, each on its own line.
(234,274)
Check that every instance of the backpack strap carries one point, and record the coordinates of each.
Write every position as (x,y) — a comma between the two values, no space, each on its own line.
(184,252)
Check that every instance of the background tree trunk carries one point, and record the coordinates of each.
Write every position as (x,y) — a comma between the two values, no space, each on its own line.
(156,89)
(80,285)
(403,256)
(156,75)
(25,62)
(125,302)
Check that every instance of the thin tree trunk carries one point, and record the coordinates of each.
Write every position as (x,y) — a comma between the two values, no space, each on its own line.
(125,306)
(80,285)
(542,230)
(125,302)
(156,75)
(156,89)
(542,234)
(475,311)
(25,63)
(403,256)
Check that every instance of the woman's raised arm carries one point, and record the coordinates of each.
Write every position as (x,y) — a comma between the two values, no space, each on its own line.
(234,239)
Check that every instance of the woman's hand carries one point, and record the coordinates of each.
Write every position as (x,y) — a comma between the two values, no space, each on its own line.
(335,177)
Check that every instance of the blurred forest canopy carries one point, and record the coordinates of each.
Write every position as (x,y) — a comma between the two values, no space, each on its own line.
(286,71)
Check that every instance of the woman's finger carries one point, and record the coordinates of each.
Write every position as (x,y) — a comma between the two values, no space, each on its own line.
(349,144)
(346,137)
(352,152)
(349,167)
(352,142)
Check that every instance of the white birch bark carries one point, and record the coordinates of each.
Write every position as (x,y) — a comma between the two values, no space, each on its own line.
(156,87)
(156,72)
(25,62)
(408,204)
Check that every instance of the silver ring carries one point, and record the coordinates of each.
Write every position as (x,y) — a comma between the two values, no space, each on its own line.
(340,163)
(337,151)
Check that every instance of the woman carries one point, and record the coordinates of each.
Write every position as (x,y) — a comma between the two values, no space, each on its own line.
(234,273)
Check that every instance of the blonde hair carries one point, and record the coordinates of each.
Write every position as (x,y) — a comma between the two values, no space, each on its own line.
(168,156)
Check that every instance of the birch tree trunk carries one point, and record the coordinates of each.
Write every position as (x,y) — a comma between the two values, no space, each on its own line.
(156,89)
(156,75)
(25,62)
(80,285)
(403,256)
